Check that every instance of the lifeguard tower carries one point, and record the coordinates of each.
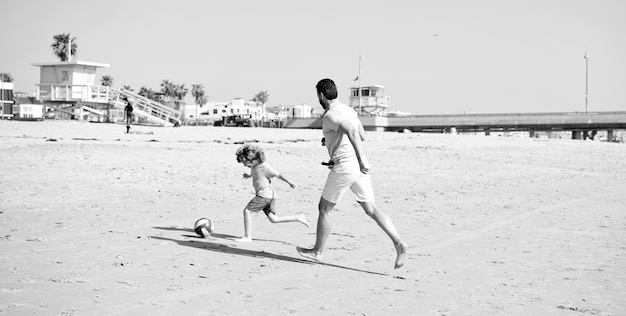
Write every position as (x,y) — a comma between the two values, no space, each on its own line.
(370,102)
(68,90)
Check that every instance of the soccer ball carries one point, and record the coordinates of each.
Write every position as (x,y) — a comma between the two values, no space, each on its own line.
(203,227)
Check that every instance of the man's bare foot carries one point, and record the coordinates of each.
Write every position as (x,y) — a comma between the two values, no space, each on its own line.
(243,239)
(302,219)
(401,249)
(309,254)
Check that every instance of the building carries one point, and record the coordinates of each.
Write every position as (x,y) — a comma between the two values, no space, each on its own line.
(27,108)
(216,110)
(6,100)
(279,112)
(299,111)
(371,101)
(68,90)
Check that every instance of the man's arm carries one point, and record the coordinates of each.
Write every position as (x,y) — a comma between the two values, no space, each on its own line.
(361,132)
(355,136)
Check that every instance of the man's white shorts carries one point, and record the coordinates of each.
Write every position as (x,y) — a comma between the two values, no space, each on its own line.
(340,180)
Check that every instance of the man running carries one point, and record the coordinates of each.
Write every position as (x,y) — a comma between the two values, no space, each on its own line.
(349,169)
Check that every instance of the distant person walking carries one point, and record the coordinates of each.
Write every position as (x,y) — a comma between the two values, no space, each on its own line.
(128,110)
(349,169)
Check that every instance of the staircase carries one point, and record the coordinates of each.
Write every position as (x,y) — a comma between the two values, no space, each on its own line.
(153,112)
(76,110)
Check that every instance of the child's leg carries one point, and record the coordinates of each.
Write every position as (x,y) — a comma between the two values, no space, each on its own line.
(300,218)
(247,226)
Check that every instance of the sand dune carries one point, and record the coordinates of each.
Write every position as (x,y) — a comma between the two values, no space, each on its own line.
(94,221)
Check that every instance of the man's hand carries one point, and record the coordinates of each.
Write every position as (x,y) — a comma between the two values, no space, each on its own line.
(323,141)
(330,164)
(246,176)
(365,166)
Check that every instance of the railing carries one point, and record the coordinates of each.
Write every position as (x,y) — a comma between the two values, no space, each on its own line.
(143,106)
(151,110)
(514,121)
(378,101)
(61,92)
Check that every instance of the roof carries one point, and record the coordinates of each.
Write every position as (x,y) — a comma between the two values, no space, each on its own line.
(73,63)
(373,87)
(27,100)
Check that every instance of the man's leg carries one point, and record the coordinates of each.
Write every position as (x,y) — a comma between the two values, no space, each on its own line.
(384,221)
(324,225)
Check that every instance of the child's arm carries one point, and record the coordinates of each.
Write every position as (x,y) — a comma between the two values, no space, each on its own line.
(280,176)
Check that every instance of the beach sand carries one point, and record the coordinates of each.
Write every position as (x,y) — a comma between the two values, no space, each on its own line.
(94,221)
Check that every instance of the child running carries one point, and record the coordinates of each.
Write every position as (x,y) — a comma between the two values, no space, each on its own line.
(265,197)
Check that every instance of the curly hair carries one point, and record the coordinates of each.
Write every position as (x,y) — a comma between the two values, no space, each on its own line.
(250,153)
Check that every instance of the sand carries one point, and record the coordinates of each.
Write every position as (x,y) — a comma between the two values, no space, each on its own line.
(94,221)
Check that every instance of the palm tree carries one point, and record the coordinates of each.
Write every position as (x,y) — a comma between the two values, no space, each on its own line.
(180,92)
(127,87)
(6,77)
(197,91)
(61,42)
(261,97)
(107,81)
(148,93)
(167,88)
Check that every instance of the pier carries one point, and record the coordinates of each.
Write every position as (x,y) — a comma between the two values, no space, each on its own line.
(581,125)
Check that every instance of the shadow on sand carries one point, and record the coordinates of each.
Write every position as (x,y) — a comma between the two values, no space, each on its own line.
(214,235)
(208,245)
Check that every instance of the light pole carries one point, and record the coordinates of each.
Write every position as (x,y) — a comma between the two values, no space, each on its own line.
(586,81)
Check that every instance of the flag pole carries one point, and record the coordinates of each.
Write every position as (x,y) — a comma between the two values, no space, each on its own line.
(359,92)
(586,81)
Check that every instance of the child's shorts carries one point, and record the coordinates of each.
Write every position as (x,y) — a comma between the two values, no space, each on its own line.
(259,203)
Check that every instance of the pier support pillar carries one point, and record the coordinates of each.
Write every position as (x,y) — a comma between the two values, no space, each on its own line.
(609,135)
(531,134)
(576,134)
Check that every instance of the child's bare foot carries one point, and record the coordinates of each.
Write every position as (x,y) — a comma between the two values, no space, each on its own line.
(309,254)
(401,249)
(302,219)
(244,239)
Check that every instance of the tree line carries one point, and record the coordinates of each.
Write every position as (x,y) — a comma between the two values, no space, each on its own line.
(168,89)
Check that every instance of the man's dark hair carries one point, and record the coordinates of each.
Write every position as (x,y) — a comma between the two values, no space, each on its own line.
(327,88)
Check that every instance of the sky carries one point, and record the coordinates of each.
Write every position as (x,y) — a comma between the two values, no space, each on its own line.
(432,56)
